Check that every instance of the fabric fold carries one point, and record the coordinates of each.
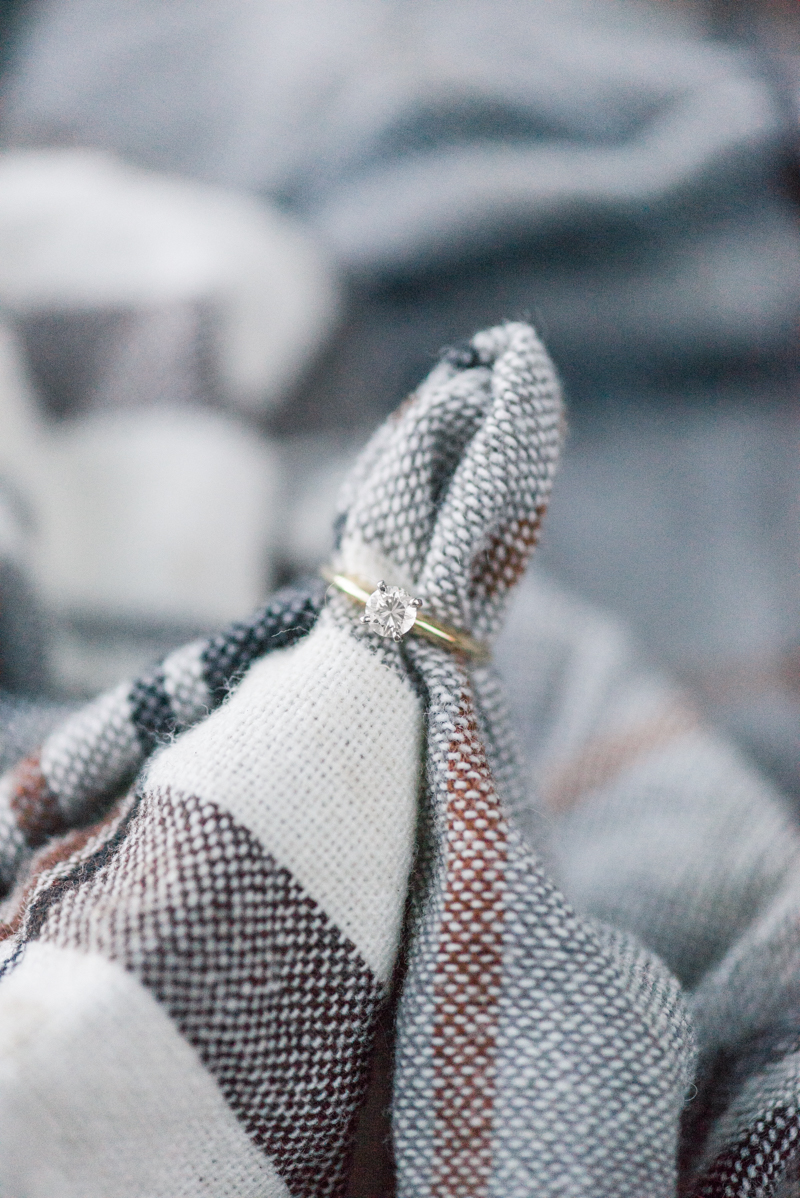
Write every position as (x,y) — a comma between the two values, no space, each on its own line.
(310,800)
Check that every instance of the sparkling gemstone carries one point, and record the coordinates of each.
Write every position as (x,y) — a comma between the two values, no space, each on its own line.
(390,611)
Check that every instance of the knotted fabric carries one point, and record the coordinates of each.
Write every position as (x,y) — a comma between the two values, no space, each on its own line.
(218,865)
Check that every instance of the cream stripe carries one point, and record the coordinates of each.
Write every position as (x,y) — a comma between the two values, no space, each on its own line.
(101,1097)
(317,752)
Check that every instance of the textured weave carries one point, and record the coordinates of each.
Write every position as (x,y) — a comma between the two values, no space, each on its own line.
(552,1054)
(659,827)
(300,814)
(89,759)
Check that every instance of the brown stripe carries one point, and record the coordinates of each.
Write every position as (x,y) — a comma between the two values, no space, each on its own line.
(404,406)
(468,973)
(503,562)
(605,757)
(275,999)
(756,1164)
(34,804)
(372,1168)
(726,681)
(59,853)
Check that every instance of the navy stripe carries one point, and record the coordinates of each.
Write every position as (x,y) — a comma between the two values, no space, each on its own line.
(151,711)
(289,615)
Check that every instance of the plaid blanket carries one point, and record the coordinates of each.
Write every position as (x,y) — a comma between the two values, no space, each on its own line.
(222,874)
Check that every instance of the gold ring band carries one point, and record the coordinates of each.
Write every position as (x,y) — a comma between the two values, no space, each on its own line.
(425,626)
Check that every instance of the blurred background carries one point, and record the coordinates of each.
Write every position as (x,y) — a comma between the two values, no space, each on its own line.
(235,233)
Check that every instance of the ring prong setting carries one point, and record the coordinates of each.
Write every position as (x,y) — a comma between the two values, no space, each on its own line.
(390,611)
(403,618)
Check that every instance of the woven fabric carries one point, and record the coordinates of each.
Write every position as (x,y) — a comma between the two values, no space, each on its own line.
(89,759)
(660,828)
(309,800)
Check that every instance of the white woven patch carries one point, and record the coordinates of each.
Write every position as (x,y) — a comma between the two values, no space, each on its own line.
(101,1096)
(367,563)
(317,752)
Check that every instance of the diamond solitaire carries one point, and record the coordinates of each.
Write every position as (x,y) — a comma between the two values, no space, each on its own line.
(390,611)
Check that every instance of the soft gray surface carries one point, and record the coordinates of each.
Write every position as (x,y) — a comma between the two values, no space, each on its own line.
(634,158)
(24,725)
(678,840)
(609,167)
